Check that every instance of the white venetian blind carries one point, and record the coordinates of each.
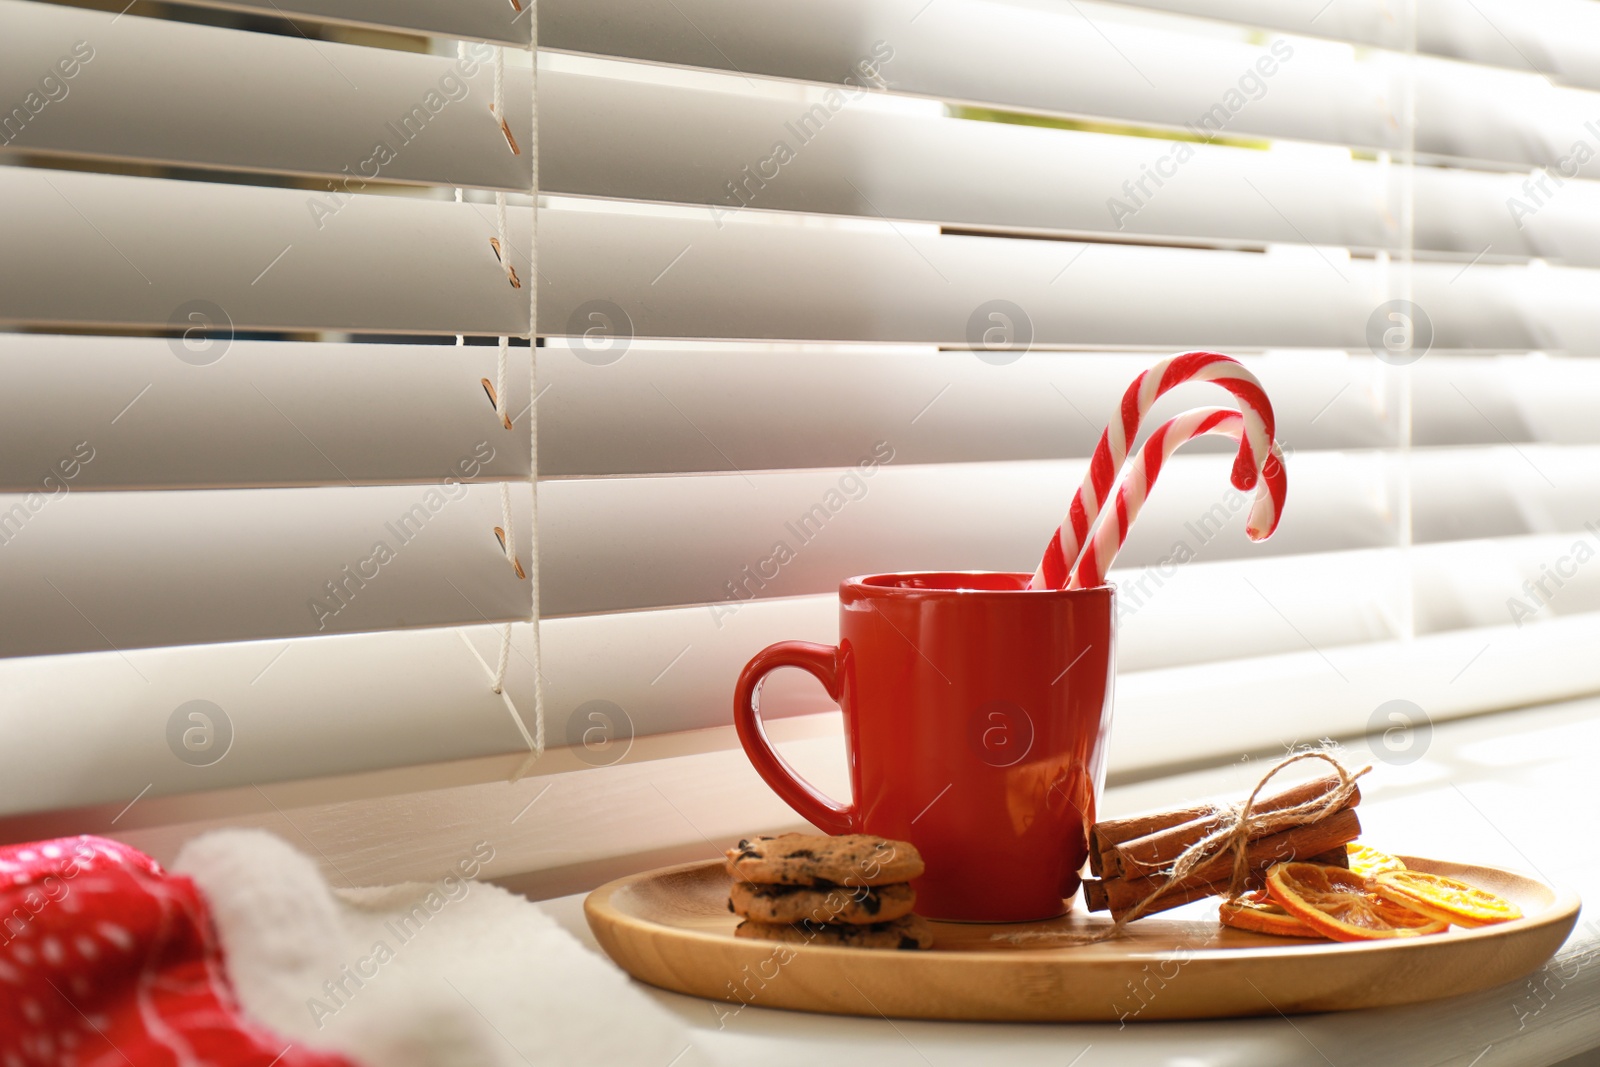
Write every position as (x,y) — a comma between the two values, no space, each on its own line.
(869,178)
(770,236)
(242,538)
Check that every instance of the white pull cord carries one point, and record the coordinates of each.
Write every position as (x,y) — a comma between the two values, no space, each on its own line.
(502,246)
(507,530)
(501,407)
(501,403)
(461,53)
(533,375)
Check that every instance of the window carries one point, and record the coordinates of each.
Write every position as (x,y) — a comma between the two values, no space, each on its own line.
(825,288)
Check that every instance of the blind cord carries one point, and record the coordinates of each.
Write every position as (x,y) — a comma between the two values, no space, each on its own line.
(502,246)
(461,54)
(533,377)
(507,529)
(502,364)
(535,743)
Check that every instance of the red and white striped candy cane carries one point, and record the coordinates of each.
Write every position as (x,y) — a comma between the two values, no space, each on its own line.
(1271,488)
(1061,554)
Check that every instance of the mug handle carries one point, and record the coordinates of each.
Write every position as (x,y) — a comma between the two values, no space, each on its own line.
(821,662)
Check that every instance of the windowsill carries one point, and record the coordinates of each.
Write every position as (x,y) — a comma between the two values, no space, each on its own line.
(1498,789)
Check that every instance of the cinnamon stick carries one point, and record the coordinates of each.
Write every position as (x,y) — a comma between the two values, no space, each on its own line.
(1339,828)
(1102,835)
(1155,852)
(1186,825)
(1121,894)
(1097,891)
(1337,856)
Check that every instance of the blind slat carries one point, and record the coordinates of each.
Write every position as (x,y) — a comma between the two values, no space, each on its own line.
(1175,717)
(109,727)
(794,406)
(741,150)
(393,264)
(1556,38)
(1051,59)
(802,406)
(154,251)
(240,100)
(480,20)
(418,413)
(167,414)
(802,531)
(686,275)
(92,571)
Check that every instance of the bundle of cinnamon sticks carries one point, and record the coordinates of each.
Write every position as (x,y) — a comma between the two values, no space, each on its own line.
(1131,858)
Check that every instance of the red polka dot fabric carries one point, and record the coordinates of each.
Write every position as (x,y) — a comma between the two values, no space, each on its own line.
(106,960)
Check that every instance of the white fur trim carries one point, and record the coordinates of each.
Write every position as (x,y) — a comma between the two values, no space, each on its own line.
(453,974)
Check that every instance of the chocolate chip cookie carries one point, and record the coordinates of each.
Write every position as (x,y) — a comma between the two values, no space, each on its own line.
(812,860)
(841,904)
(908,932)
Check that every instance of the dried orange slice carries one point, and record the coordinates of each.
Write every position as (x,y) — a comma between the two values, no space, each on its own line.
(1263,917)
(1445,899)
(1337,903)
(1369,862)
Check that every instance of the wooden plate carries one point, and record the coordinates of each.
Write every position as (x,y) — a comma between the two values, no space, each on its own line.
(671,928)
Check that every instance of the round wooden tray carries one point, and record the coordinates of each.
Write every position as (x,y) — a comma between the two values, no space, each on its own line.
(671,928)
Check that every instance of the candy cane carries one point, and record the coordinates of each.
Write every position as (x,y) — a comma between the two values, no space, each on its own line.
(1271,488)
(1061,554)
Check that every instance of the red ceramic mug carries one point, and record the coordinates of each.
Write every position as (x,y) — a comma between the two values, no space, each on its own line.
(976,713)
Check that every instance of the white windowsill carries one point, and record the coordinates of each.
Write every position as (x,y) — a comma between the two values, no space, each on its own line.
(1513,789)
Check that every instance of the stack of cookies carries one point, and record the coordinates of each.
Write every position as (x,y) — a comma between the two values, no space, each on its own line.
(848,890)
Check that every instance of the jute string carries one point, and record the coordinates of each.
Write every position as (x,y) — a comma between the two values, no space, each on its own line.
(1236,826)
